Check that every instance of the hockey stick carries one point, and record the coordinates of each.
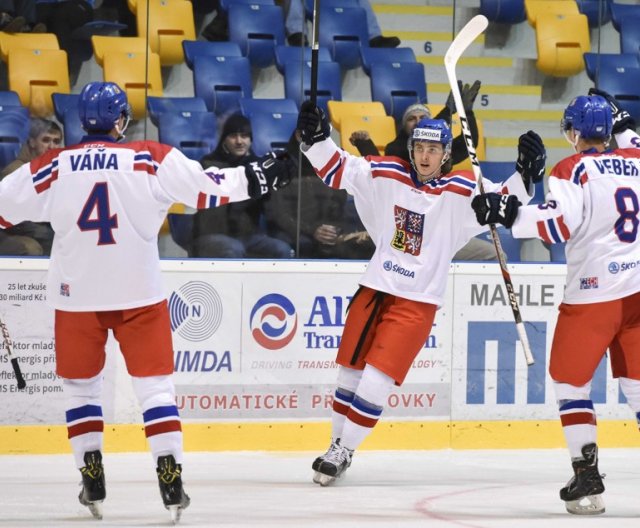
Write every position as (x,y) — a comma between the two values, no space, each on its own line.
(463,40)
(315,30)
(14,361)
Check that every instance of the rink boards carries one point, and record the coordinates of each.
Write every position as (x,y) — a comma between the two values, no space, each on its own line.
(254,348)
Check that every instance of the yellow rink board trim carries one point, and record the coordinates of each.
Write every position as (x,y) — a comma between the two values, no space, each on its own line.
(394,9)
(492,89)
(313,436)
(479,62)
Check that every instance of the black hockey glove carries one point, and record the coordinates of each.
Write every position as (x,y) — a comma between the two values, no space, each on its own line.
(622,119)
(494,208)
(312,124)
(532,157)
(269,173)
(469,94)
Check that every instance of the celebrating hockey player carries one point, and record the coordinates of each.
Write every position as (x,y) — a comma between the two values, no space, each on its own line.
(593,206)
(106,202)
(418,215)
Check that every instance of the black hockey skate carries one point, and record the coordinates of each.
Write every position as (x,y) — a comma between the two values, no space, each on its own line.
(335,463)
(583,493)
(93,487)
(316,463)
(170,480)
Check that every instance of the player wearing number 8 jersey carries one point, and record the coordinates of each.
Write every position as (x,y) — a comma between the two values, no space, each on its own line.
(593,204)
(106,202)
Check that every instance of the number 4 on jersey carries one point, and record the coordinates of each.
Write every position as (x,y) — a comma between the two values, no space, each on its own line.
(96,216)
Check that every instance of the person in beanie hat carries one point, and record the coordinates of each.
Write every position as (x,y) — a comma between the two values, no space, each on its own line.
(234,230)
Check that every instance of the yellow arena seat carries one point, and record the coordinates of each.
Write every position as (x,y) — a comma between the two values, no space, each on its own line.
(102,45)
(381,128)
(35,74)
(338,109)
(562,41)
(170,22)
(9,41)
(127,70)
(562,36)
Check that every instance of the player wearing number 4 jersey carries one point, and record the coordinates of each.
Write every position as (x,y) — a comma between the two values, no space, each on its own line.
(593,204)
(106,202)
(418,216)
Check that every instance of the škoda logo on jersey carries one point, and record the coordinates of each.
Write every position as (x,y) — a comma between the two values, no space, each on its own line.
(409,228)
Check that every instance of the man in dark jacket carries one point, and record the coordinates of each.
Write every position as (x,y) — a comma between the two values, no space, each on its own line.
(234,230)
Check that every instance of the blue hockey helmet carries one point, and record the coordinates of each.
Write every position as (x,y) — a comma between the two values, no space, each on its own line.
(101,105)
(590,116)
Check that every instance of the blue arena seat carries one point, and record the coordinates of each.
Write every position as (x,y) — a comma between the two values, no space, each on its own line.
(286,54)
(222,81)
(272,130)
(621,12)
(598,12)
(65,107)
(397,85)
(503,11)
(343,30)
(296,86)
(377,55)
(622,83)
(630,35)
(593,61)
(224,4)
(308,5)
(257,29)
(174,105)
(194,133)
(214,49)
(249,106)
(9,99)
(510,245)
(14,130)
(181,229)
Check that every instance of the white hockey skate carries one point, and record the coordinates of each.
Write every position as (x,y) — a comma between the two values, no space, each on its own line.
(335,445)
(93,490)
(170,481)
(334,465)
(583,493)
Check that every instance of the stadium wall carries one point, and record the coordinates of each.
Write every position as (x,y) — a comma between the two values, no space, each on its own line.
(254,348)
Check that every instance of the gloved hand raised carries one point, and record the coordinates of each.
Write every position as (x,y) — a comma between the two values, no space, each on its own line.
(312,124)
(469,94)
(494,208)
(532,157)
(269,173)
(622,119)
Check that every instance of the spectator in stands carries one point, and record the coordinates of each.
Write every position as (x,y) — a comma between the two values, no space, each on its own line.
(19,16)
(320,222)
(295,25)
(234,230)
(31,238)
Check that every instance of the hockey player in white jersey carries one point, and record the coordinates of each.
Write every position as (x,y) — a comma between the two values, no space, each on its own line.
(418,215)
(593,206)
(106,202)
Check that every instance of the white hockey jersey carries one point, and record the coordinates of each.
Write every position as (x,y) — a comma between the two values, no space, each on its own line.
(417,228)
(106,203)
(593,205)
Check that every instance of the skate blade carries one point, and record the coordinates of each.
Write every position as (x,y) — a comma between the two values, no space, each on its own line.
(317,476)
(589,505)
(176,512)
(95,508)
(323,480)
